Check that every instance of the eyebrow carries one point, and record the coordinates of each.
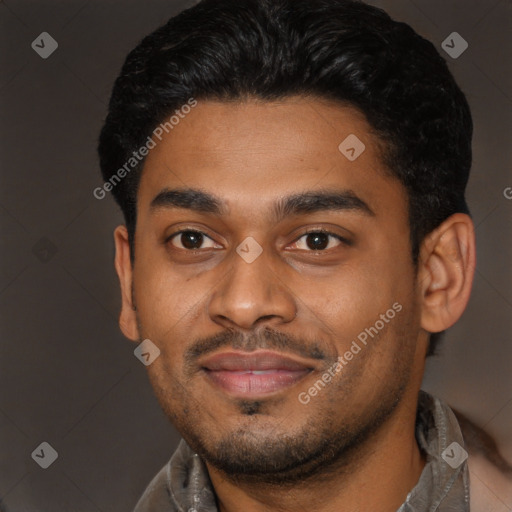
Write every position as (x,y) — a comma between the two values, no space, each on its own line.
(296,204)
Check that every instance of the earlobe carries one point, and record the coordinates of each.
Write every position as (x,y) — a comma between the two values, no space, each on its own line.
(447,266)
(124,269)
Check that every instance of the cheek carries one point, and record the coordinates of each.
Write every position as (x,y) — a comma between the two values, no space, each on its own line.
(372,305)
(354,296)
(166,303)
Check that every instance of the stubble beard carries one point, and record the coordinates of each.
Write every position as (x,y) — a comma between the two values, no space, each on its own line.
(282,456)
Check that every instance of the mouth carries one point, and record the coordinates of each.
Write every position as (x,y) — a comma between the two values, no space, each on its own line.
(254,374)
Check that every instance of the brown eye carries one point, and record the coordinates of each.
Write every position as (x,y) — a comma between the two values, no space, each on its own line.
(190,240)
(319,241)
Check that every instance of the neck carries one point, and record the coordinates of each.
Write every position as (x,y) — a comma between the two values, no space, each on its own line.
(377,477)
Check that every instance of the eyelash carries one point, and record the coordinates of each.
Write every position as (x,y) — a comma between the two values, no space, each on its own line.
(341,239)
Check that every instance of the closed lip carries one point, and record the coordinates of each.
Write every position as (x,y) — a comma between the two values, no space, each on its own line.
(254,374)
(260,360)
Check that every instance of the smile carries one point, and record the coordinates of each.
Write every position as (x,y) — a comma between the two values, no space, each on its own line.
(254,374)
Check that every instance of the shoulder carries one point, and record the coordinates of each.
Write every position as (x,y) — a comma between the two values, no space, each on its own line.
(490,488)
(490,475)
(156,495)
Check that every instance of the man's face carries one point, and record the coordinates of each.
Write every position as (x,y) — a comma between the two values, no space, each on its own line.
(246,335)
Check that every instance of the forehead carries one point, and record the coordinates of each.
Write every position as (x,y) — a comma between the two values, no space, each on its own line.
(252,152)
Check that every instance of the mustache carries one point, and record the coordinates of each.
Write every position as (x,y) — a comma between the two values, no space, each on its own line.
(267,338)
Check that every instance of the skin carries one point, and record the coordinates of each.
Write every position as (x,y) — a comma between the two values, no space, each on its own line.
(360,426)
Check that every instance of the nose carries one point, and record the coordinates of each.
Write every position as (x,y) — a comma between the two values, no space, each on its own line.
(252,294)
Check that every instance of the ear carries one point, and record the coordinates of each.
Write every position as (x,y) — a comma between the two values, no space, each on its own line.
(446,269)
(123,264)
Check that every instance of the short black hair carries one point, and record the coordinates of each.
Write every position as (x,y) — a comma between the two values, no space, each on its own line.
(341,50)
